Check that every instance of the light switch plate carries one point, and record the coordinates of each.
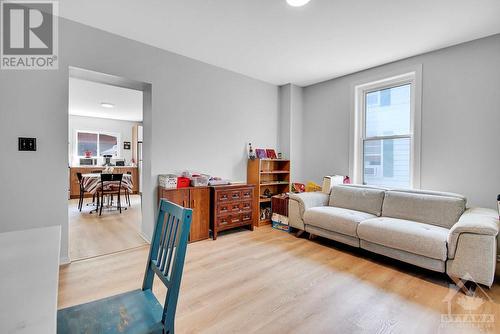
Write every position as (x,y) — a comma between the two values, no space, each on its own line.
(27,144)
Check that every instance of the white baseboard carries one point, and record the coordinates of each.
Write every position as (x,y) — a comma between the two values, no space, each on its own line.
(142,235)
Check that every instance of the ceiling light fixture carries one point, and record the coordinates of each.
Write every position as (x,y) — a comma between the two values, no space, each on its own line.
(107,105)
(297,3)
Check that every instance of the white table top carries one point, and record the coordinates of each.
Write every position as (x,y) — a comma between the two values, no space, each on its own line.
(29,275)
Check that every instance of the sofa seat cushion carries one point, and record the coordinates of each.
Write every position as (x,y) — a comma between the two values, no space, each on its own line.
(334,219)
(406,235)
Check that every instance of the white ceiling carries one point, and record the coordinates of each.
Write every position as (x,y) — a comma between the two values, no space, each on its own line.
(85,98)
(271,41)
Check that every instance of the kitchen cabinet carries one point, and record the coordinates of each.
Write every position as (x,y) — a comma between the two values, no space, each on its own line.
(196,198)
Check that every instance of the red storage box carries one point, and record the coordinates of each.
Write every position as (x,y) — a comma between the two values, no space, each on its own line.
(183,182)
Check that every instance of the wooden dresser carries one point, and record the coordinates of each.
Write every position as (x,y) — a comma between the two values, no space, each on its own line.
(232,206)
(196,198)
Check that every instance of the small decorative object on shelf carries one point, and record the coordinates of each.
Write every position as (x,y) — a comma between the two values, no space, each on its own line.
(298,187)
(280,155)
(126,145)
(267,193)
(498,201)
(167,181)
(265,213)
(251,152)
(261,153)
(271,154)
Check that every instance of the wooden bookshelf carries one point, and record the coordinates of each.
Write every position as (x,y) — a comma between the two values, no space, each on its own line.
(271,174)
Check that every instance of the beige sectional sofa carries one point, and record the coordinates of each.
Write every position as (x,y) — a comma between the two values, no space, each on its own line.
(433,230)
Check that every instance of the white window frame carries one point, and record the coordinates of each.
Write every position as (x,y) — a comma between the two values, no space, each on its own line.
(414,78)
(118,142)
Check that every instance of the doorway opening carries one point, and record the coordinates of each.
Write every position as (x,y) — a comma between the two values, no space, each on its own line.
(105,138)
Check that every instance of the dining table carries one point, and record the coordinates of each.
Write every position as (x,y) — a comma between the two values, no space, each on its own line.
(92,183)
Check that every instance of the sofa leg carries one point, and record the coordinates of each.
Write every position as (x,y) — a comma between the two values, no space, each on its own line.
(461,285)
(299,233)
(311,236)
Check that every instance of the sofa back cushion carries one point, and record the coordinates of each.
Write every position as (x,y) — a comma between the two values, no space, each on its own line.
(439,209)
(359,198)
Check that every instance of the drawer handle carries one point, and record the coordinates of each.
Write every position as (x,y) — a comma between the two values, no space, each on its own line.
(223,196)
(223,209)
(223,222)
(246,217)
(235,196)
(235,220)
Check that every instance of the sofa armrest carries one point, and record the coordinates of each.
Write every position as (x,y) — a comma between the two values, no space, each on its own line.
(472,246)
(474,221)
(299,203)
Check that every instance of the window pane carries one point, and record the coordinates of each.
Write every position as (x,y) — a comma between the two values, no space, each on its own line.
(87,142)
(391,166)
(108,145)
(388,112)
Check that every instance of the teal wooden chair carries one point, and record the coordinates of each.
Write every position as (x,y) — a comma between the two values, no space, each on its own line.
(138,311)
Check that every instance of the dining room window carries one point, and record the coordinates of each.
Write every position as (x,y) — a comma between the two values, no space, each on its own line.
(387,132)
(97,143)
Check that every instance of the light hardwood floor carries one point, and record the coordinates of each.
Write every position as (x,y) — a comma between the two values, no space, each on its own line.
(268,281)
(93,235)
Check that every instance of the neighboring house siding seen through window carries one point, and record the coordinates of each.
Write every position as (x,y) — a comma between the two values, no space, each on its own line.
(99,144)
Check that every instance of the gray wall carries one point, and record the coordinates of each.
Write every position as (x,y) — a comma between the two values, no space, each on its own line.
(290,126)
(284,134)
(460,120)
(202,118)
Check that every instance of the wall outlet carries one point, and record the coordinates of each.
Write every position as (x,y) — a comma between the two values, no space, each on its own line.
(27,144)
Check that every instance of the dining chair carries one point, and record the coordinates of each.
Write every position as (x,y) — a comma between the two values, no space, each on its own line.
(139,311)
(127,190)
(80,183)
(97,171)
(111,184)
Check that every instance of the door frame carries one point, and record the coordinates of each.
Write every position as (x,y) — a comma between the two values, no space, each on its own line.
(147,198)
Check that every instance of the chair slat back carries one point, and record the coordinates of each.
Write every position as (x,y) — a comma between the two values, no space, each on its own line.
(117,178)
(167,253)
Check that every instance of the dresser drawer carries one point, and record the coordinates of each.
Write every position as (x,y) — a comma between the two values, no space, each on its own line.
(228,196)
(247,193)
(233,207)
(233,220)
(228,220)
